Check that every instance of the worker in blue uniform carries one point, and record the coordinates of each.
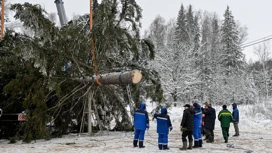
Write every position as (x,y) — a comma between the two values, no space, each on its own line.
(163,127)
(197,125)
(141,123)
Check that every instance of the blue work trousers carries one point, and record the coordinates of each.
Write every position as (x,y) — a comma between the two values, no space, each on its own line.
(163,139)
(139,135)
(197,134)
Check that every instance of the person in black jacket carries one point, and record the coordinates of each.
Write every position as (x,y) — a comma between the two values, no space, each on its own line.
(187,126)
(209,122)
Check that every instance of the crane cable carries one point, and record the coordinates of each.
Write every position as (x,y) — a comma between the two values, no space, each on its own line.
(2,20)
(92,45)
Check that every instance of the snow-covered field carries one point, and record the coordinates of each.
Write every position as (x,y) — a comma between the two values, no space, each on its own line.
(255,136)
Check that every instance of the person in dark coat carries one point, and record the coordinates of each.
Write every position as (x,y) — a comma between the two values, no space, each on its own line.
(163,126)
(197,125)
(209,122)
(202,124)
(1,112)
(225,118)
(141,123)
(187,126)
(235,115)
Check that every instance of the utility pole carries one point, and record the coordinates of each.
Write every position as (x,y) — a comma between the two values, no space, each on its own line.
(61,12)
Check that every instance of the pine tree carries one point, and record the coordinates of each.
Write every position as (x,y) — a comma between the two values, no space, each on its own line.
(196,34)
(179,51)
(231,56)
(231,75)
(190,24)
(215,41)
(204,59)
(50,92)
(180,32)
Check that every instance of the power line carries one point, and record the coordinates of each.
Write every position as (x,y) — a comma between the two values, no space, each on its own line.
(256,43)
(256,40)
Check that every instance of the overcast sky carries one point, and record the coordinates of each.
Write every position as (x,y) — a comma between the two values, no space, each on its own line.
(254,14)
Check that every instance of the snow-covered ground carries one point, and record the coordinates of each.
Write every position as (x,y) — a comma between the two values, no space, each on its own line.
(255,136)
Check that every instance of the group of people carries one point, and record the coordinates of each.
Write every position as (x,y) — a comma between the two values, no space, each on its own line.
(195,120)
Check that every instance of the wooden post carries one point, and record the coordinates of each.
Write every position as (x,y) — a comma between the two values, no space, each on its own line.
(91,15)
(2,20)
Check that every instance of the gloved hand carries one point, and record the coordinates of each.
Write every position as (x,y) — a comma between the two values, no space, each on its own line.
(171,128)
(183,129)
(147,126)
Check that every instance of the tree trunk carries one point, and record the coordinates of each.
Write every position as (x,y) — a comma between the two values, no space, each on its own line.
(127,77)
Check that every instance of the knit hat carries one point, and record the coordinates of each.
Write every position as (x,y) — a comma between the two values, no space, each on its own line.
(187,105)
(224,106)
(196,105)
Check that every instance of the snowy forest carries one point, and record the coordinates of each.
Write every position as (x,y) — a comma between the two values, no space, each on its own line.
(197,55)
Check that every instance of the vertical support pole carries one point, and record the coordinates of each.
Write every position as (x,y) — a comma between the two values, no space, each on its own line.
(2,20)
(90,96)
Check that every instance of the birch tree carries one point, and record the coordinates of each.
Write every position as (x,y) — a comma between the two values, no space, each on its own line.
(263,52)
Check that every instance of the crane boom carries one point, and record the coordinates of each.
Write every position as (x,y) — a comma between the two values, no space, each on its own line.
(61,12)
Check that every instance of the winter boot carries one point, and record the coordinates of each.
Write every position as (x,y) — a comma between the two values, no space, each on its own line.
(200,143)
(190,145)
(160,146)
(165,147)
(135,143)
(184,146)
(226,140)
(196,144)
(210,139)
(141,144)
